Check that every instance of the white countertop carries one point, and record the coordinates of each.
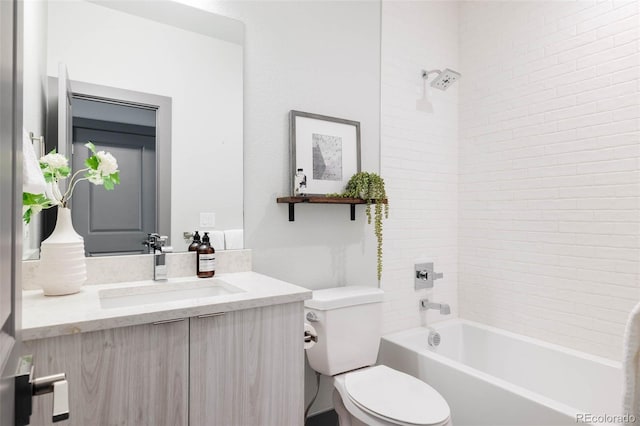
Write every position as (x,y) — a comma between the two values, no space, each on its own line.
(46,316)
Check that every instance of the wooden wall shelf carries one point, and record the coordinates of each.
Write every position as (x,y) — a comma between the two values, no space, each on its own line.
(320,199)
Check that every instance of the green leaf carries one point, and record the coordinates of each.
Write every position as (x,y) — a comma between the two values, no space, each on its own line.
(108,183)
(48,176)
(26,217)
(29,199)
(115,177)
(35,203)
(64,171)
(91,147)
(92,162)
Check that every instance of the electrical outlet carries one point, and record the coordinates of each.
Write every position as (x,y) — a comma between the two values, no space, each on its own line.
(207,220)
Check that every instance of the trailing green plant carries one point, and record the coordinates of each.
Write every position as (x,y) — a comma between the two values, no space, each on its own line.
(370,187)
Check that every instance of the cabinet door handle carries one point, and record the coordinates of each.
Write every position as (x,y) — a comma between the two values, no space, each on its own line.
(217,314)
(168,321)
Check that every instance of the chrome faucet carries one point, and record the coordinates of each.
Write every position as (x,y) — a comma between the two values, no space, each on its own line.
(156,244)
(442,307)
(425,275)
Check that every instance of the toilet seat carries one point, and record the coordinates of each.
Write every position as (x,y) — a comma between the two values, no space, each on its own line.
(389,396)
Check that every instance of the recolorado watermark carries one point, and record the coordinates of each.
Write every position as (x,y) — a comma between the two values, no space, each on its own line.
(605,418)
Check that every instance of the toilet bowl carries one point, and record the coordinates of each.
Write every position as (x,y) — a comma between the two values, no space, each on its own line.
(348,324)
(382,396)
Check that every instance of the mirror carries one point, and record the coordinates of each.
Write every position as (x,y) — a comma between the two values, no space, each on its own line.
(161,49)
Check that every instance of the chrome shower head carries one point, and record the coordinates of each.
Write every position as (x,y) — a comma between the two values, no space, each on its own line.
(445,79)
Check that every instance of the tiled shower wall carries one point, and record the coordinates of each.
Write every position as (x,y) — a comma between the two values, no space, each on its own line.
(548,159)
(419,157)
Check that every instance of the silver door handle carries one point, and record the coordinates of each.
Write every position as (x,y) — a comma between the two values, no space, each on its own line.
(58,385)
(60,400)
(27,386)
(167,321)
(215,314)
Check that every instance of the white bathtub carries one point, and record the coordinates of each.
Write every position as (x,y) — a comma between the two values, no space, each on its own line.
(493,377)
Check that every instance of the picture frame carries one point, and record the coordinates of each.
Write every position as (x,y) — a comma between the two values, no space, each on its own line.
(326,148)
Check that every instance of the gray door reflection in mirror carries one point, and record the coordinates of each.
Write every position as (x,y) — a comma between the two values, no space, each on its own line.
(136,128)
(115,222)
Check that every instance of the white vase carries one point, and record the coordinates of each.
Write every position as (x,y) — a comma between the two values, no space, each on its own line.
(63,269)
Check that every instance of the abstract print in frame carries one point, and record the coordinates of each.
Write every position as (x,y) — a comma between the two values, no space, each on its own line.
(327,149)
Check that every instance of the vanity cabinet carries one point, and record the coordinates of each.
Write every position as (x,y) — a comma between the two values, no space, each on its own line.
(247,368)
(121,376)
(241,368)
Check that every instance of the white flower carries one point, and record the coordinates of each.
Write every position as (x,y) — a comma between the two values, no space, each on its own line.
(101,169)
(55,161)
(107,164)
(95,178)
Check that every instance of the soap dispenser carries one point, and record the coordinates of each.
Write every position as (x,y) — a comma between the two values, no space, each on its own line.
(195,243)
(206,258)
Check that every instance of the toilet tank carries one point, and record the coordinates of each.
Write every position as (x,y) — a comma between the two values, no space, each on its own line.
(348,321)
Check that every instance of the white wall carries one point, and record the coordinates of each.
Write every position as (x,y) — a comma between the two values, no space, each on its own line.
(202,75)
(549,169)
(321,57)
(34,94)
(419,158)
(35,66)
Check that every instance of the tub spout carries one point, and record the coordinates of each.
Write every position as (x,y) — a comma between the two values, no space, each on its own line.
(442,307)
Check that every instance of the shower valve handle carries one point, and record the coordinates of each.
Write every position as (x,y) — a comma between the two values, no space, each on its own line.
(425,275)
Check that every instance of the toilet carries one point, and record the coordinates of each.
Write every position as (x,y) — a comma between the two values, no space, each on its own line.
(348,323)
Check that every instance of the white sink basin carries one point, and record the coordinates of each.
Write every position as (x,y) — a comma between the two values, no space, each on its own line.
(162,292)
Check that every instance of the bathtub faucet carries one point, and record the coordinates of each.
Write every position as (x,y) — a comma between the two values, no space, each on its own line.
(442,307)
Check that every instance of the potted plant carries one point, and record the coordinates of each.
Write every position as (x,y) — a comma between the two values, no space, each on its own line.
(62,260)
(102,169)
(370,187)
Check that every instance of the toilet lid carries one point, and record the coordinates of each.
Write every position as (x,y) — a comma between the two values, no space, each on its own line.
(396,395)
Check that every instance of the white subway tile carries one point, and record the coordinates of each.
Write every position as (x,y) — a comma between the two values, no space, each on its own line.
(629,36)
(573,42)
(604,56)
(586,50)
(584,85)
(585,121)
(548,234)
(574,111)
(626,62)
(608,23)
(618,127)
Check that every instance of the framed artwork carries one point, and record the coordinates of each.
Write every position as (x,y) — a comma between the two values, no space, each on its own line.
(327,149)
